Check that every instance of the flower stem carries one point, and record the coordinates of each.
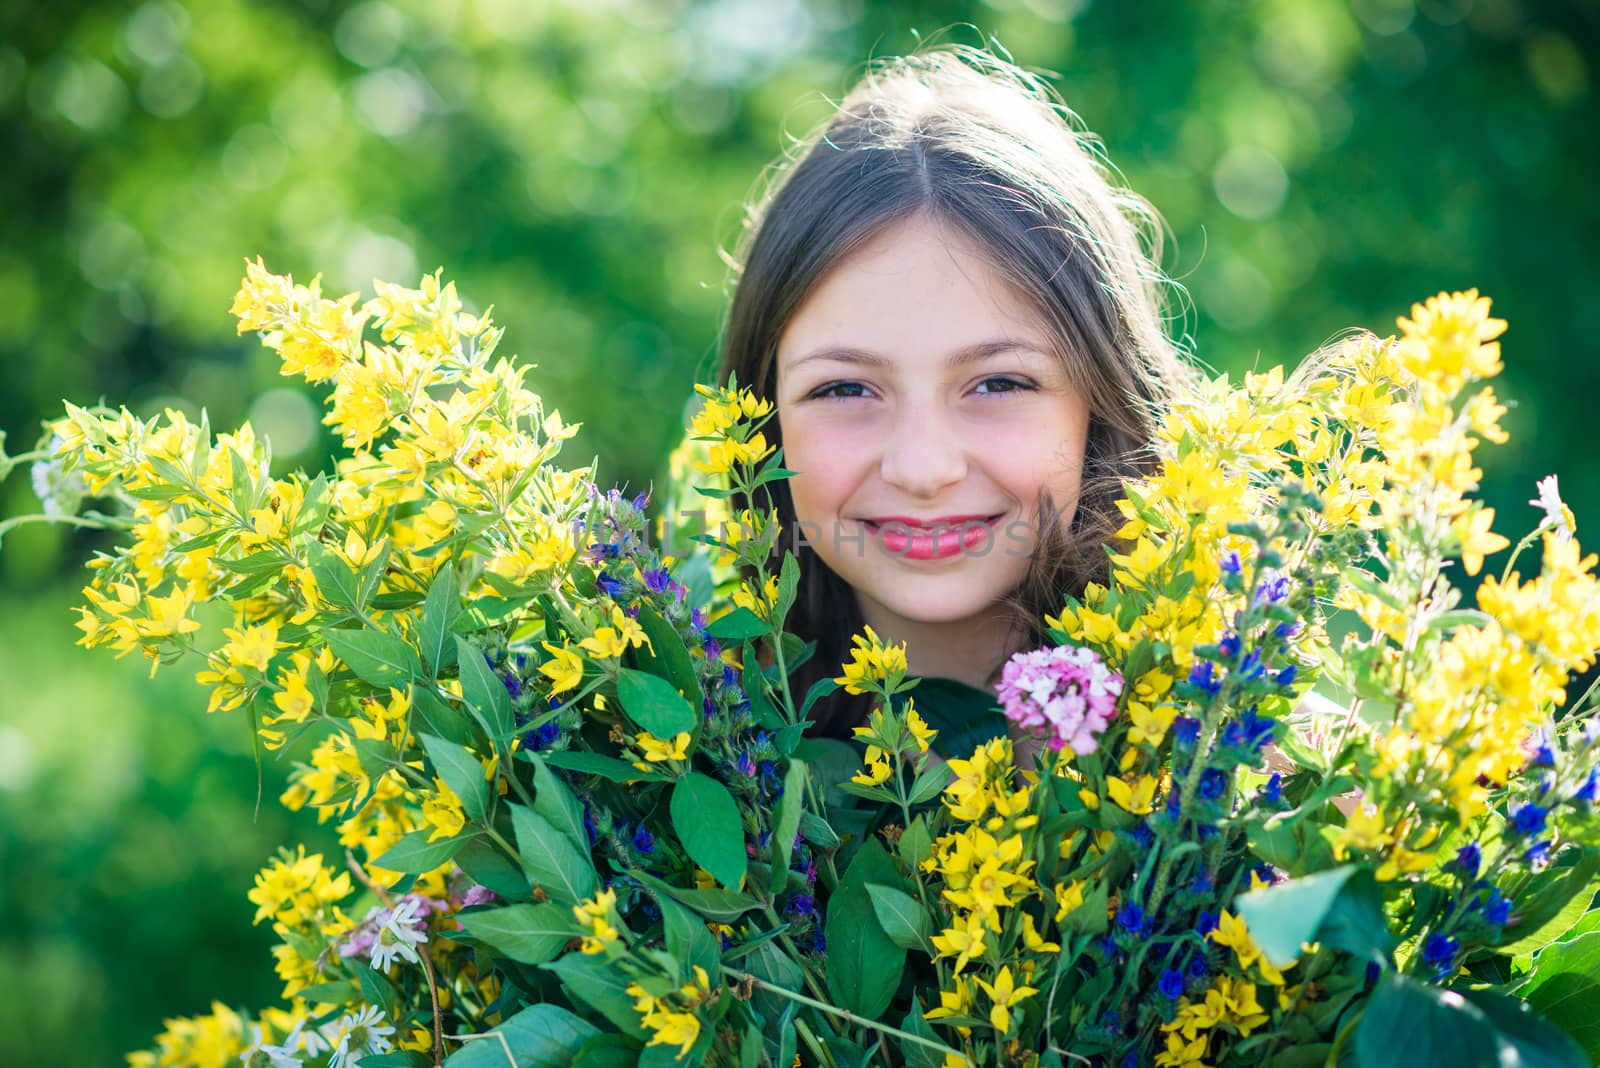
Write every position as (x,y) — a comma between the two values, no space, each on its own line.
(847,1017)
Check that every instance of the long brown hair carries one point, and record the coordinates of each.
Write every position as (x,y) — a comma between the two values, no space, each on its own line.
(979,143)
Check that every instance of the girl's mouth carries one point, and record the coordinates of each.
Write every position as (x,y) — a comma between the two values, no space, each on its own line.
(934,543)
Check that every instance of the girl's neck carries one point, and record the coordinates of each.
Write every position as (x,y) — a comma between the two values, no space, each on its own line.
(969,650)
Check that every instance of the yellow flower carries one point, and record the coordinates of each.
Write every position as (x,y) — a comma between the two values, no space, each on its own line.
(608,643)
(1068,899)
(963,940)
(657,750)
(594,916)
(564,669)
(872,662)
(1477,540)
(1138,798)
(443,812)
(251,647)
(919,728)
(1003,996)
(956,1001)
(877,769)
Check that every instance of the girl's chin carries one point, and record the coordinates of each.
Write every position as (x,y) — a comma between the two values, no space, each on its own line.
(932,604)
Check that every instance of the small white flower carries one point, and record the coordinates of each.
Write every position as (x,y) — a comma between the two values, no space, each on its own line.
(1557,516)
(399,936)
(262,1055)
(354,1035)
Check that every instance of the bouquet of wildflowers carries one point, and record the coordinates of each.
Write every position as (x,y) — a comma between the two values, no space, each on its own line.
(571,821)
(1186,857)
(584,826)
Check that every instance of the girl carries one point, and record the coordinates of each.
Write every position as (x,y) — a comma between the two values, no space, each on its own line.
(957,314)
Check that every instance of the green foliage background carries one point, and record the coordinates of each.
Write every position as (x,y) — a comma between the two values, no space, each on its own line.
(1321,164)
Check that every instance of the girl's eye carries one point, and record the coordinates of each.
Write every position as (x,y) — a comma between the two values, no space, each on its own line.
(827,392)
(1007,385)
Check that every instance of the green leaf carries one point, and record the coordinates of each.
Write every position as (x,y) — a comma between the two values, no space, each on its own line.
(737,625)
(708,824)
(787,822)
(864,964)
(1549,892)
(608,1051)
(911,1054)
(602,987)
(788,584)
(688,939)
(462,772)
(654,705)
(933,779)
(414,854)
(915,845)
(336,580)
(550,860)
(553,800)
(484,693)
(441,719)
(666,652)
(540,1036)
(1408,1023)
(722,906)
(1558,925)
(377,658)
(901,916)
(397,1059)
(1565,989)
(440,610)
(528,934)
(488,865)
(599,764)
(1529,1039)
(1339,907)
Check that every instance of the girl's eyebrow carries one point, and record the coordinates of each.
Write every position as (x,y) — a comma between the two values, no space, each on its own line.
(974,353)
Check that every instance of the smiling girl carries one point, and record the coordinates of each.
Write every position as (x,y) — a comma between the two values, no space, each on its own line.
(957,313)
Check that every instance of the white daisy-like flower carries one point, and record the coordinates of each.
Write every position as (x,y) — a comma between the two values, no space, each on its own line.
(1557,516)
(262,1054)
(399,936)
(354,1035)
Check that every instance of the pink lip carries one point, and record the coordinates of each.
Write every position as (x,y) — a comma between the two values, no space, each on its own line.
(944,537)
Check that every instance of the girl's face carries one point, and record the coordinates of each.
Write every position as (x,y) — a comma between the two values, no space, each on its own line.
(916,384)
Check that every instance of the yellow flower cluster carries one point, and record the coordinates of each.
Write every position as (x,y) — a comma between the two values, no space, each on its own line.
(874,667)
(669,1015)
(598,918)
(726,422)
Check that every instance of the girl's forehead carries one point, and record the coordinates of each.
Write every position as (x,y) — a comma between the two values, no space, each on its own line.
(913,295)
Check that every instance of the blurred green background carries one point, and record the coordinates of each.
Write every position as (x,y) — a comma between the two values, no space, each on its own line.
(1322,164)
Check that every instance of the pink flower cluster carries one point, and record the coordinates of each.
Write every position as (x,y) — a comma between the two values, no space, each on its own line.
(1063,695)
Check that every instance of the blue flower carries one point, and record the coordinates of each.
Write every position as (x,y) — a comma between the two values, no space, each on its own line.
(1591,785)
(643,840)
(1272,590)
(1527,818)
(1142,834)
(1171,984)
(1497,909)
(1537,854)
(1229,645)
(1212,783)
(609,584)
(1231,563)
(1250,731)
(1288,630)
(1439,950)
(697,621)
(1198,969)
(1205,923)
(1252,667)
(1130,917)
(1272,792)
(746,765)
(1203,675)
(1286,676)
(713,649)
(513,685)
(1185,730)
(801,905)
(641,501)
(1469,860)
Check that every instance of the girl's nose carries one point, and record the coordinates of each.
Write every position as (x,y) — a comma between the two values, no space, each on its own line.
(923,455)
